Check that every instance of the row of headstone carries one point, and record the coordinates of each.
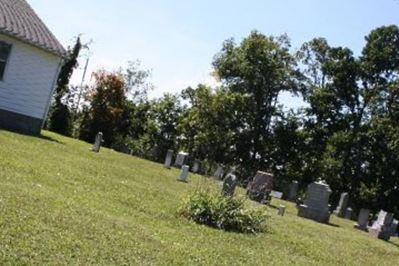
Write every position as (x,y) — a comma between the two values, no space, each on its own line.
(382,227)
(180,161)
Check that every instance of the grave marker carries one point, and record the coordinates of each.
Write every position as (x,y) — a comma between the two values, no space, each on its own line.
(219,173)
(363,219)
(184,173)
(181,159)
(260,187)
(169,158)
(229,185)
(343,204)
(293,192)
(97,143)
(316,205)
(382,226)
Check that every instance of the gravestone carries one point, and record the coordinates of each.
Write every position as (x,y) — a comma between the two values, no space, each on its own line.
(169,158)
(276,194)
(260,187)
(382,226)
(348,213)
(394,227)
(97,143)
(281,210)
(181,159)
(184,173)
(196,166)
(343,204)
(229,185)
(316,205)
(363,219)
(293,192)
(219,173)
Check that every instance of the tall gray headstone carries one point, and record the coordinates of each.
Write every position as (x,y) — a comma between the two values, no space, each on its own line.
(219,173)
(342,205)
(316,205)
(382,226)
(293,192)
(181,159)
(184,173)
(97,143)
(196,166)
(260,187)
(229,185)
(363,219)
(169,158)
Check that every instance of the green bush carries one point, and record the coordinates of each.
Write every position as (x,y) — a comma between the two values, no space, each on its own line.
(226,213)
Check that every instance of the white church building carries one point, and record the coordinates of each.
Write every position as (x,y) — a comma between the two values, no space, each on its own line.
(30,60)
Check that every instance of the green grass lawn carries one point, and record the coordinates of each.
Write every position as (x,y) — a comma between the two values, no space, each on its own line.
(62,204)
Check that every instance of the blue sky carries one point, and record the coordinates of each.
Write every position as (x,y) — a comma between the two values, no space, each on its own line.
(177,39)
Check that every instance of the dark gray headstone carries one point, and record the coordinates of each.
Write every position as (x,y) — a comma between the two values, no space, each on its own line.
(363,219)
(316,206)
(382,226)
(229,185)
(97,143)
(293,192)
(342,205)
(260,187)
(394,228)
(181,159)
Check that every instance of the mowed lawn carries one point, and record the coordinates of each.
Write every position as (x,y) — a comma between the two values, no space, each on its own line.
(62,204)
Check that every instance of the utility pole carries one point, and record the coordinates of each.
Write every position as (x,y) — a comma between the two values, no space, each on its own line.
(81,84)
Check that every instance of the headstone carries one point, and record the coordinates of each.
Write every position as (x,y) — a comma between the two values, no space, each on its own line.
(97,143)
(343,204)
(169,158)
(184,173)
(276,194)
(281,210)
(316,205)
(260,187)
(219,173)
(394,227)
(229,185)
(293,192)
(363,219)
(196,166)
(382,226)
(181,159)
(348,213)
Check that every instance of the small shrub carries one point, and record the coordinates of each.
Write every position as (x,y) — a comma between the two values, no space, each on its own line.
(226,213)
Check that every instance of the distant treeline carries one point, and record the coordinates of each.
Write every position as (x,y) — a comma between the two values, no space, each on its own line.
(347,135)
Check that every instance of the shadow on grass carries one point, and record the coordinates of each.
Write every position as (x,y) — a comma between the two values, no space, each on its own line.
(392,243)
(47,138)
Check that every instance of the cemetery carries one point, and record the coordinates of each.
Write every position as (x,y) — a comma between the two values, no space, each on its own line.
(78,206)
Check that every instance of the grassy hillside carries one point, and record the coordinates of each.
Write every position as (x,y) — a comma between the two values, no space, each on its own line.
(61,204)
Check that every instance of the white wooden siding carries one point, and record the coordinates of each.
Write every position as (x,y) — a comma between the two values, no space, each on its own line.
(28,79)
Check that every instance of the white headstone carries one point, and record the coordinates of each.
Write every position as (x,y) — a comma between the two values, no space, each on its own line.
(184,173)
(196,166)
(342,205)
(382,226)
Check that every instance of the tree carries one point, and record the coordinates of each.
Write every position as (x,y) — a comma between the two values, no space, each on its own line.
(258,69)
(60,119)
